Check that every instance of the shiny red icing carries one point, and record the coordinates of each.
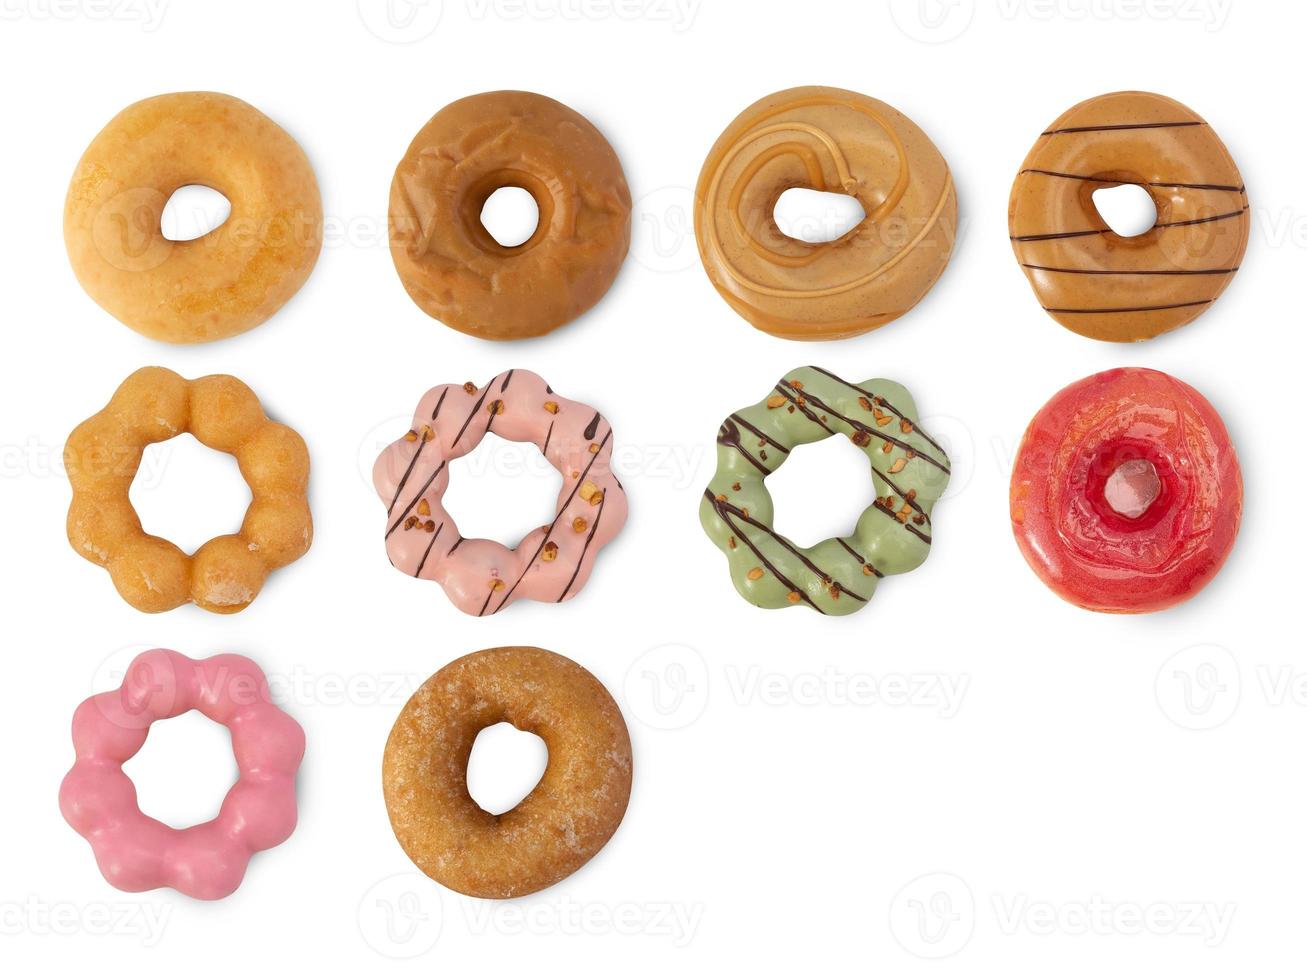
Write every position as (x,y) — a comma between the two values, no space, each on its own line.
(1082,548)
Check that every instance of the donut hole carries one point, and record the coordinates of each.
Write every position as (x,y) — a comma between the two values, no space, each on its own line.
(510,216)
(505,765)
(184,770)
(192,212)
(1128,209)
(502,490)
(188,493)
(815,217)
(821,494)
(1132,487)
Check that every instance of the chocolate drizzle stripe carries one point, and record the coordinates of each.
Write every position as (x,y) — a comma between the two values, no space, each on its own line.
(592,428)
(408,471)
(425,554)
(454,547)
(878,400)
(899,490)
(489,595)
(780,576)
(729,435)
(1087,178)
(431,479)
(548,436)
(1130,309)
(507,378)
(744,423)
(557,517)
(1132,272)
(581,560)
(1050,236)
(793,400)
(863,561)
(895,517)
(1119,126)
(439,401)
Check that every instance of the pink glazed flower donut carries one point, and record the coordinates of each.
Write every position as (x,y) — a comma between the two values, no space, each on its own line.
(208,861)
(481,577)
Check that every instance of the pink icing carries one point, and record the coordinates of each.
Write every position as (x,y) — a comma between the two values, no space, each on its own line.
(481,577)
(208,861)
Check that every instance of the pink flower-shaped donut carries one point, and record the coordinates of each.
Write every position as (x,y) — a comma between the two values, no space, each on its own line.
(481,577)
(136,852)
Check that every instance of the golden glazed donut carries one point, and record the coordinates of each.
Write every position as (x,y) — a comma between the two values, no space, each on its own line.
(454,269)
(832,140)
(219,284)
(560,825)
(1106,286)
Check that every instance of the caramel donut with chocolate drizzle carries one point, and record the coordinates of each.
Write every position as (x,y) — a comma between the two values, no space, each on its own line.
(1101,284)
(832,140)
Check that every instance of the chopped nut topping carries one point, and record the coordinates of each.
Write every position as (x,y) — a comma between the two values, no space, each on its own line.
(579,525)
(594,448)
(731,541)
(551,408)
(549,552)
(862,400)
(410,436)
(469,387)
(860,438)
(794,597)
(496,585)
(905,426)
(427,434)
(776,401)
(881,418)
(887,448)
(898,466)
(721,498)
(755,574)
(868,570)
(588,490)
(411,523)
(424,508)
(835,591)
(496,407)
(797,384)
(429,527)
(735,487)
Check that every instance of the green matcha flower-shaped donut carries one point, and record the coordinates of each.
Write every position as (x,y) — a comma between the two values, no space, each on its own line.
(908,468)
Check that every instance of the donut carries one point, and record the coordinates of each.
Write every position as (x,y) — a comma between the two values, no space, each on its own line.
(451,265)
(103,454)
(560,825)
(909,469)
(481,577)
(219,284)
(826,139)
(136,853)
(1096,282)
(1126,495)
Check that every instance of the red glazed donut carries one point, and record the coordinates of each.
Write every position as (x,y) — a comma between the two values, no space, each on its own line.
(1126,494)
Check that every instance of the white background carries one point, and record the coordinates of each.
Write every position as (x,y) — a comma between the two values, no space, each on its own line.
(1071,812)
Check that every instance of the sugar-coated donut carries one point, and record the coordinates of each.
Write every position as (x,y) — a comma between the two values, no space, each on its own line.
(1096,282)
(208,861)
(102,456)
(222,283)
(560,825)
(826,139)
(451,265)
(1126,495)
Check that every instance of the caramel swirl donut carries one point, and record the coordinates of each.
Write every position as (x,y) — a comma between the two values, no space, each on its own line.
(827,139)
(222,283)
(560,825)
(103,454)
(1096,282)
(454,269)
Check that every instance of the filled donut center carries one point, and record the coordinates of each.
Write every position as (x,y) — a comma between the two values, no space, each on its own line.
(188,493)
(184,770)
(1132,487)
(510,216)
(502,490)
(192,212)
(823,495)
(1128,209)
(812,216)
(506,764)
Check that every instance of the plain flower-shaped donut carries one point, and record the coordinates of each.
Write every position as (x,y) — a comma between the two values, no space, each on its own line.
(208,861)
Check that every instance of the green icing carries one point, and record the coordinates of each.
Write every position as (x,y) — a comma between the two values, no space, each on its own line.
(837,576)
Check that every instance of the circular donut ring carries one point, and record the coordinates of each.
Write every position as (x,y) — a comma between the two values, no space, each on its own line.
(102,456)
(452,267)
(833,140)
(909,469)
(1126,494)
(560,825)
(222,283)
(1095,282)
(208,861)
(481,577)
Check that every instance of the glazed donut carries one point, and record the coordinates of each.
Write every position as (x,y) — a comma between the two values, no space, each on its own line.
(1126,495)
(482,577)
(560,825)
(827,139)
(102,456)
(1096,282)
(219,284)
(909,469)
(208,861)
(454,269)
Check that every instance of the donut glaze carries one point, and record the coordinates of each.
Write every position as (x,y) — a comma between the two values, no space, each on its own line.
(560,825)
(1106,286)
(454,269)
(1126,495)
(222,283)
(833,140)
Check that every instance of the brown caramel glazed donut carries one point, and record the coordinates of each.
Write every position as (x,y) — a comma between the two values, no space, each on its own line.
(560,825)
(219,284)
(1096,282)
(454,269)
(831,140)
